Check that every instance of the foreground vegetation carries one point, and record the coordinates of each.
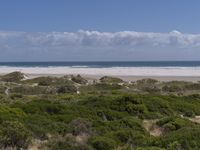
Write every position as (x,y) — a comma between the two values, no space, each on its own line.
(72,113)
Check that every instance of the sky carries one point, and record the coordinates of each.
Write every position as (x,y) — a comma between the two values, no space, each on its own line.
(99,30)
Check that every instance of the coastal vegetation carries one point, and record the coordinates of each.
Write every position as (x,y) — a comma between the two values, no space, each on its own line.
(72,113)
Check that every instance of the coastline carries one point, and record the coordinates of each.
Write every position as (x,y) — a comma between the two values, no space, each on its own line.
(126,73)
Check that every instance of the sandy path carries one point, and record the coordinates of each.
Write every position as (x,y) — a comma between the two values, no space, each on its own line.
(152,128)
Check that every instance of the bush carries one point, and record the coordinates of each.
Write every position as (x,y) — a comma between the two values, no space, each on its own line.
(169,127)
(8,113)
(172,88)
(151,148)
(123,135)
(14,134)
(107,79)
(103,143)
(130,104)
(185,138)
(163,121)
(157,104)
(147,81)
(31,90)
(173,123)
(106,86)
(175,146)
(16,96)
(13,77)
(66,89)
(79,79)
(66,143)
(189,114)
(42,81)
(80,126)
(151,89)
(192,86)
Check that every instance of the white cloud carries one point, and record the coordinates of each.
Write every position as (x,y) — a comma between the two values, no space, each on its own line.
(95,38)
(68,43)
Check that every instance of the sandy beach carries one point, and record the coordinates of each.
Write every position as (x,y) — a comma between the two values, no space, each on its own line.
(125,73)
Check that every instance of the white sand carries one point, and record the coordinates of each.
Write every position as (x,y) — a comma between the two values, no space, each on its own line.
(127,73)
(116,71)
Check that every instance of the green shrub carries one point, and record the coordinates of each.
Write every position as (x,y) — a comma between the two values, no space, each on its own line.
(189,114)
(80,126)
(169,127)
(130,104)
(146,81)
(151,148)
(107,87)
(172,88)
(175,146)
(66,143)
(193,86)
(151,89)
(163,121)
(31,90)
(102,143)
(184,138)
(13,77)
(2,89)
(173,123)
(158,104)
(107,79)
(16,96)
(66,89)
(49,81)
(14,134)
(43,81)
(78,79)
(8,113)
(123,135)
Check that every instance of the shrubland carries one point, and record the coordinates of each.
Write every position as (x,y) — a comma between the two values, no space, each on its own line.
(48,113)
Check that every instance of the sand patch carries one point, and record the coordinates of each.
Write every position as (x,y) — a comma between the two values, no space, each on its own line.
(195,119)
(152,128)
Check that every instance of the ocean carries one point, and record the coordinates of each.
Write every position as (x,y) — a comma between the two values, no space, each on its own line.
(104,64)
(117,68)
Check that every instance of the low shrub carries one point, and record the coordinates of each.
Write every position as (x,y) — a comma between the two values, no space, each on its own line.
(102,143)
(14,134)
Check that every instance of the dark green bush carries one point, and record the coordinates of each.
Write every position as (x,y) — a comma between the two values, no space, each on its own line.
(103,143)
(130,104)
(14,134)
(66,143)
(80,126)
(184,138)
(107,79)
(13,77)
(78,79)
(189,114)
(16,96)
(66,89)
(172,88)
(151,148)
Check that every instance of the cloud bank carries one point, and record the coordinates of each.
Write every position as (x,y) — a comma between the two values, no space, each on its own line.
(94,45)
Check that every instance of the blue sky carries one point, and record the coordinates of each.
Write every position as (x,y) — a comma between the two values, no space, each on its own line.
(101,15)
(50,30)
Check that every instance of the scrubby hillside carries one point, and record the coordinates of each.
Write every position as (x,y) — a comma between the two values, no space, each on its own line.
(49,113)
(13,77)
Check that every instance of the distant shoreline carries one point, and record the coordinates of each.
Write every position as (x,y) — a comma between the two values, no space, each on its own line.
(130,78)
(116,71)
(125,73)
